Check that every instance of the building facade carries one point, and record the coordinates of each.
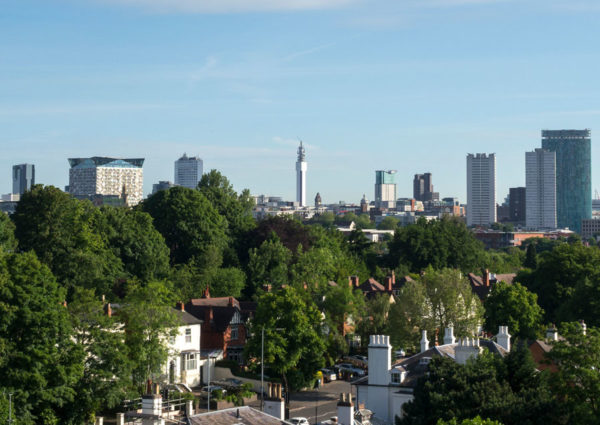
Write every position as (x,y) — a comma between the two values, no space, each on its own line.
(590,228)
(540,181)
(301,167)
(573,175)
(23,177)
(188,171)
(481,189)
(385,189)
(423,188)
(162,185)
(517,204)
(110,177)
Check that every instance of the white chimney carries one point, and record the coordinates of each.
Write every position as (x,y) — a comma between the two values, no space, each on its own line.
(379,359)
(345,409)
(466,349)
(552,333)
(274,404)
(152,405)
(424,341)
(99,420)
(449,335)
(189,408)
(503,337)
(583,327)
(120,418)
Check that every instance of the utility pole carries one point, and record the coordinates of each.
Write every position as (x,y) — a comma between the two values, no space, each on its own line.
(262,370)
(10,421)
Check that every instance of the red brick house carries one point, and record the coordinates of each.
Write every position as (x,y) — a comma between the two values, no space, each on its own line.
(224,326)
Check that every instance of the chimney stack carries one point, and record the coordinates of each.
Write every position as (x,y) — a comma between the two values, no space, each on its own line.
(206,293)
(449,335)
(552,333)
(486,277)
(424,341)
(108,310)
(583,327)
(393,277)
(354,281)
(388,283)
(230,302)
(345,409)
(180,306)
(503,337)
(274,404)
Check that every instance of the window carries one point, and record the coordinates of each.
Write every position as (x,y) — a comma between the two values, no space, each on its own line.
(395,378)
(188,335)
(190,362)
(234,332)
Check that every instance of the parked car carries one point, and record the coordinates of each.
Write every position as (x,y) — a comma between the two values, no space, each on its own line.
(347,369)
(205,390)
(299,421)
(233,382)
(329,375)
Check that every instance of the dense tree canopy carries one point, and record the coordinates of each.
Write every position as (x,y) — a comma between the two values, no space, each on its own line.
(440,299)
(567,283)
(188,221)
(436,243)
(8,243)
(513,306)
(508,390)
(39,361)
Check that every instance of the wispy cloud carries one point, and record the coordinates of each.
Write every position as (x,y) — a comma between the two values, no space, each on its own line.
(230,6)
(308,51)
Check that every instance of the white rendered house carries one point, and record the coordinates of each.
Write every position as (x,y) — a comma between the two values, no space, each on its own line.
(183,365)
(389,386)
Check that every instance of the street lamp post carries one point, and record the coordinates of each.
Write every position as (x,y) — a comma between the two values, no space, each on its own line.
(262,367)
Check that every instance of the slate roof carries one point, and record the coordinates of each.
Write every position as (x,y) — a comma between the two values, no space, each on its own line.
(187,318)
(481,290)
(247,416)
(415,368)
(222,311)
(371,285)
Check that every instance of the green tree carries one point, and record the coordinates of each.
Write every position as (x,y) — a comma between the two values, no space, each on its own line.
(59,229)
(132,237)
(149,322)
(436,243)
(440,299)
(475,421)
(294,345)
(106,380)
(508,390)
(39,361)
(577,381)
(226,282)
(513,306)
(388,223)
(236,209)
(268,265)
(314,267)
(567,283)
(8,243)
(188,222)
(374,318)
(531,257)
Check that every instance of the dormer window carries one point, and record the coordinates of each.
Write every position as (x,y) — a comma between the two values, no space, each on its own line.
(397,375)
(396,378)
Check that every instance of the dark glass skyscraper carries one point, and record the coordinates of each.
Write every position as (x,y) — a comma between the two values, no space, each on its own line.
(23,178)
(573,175)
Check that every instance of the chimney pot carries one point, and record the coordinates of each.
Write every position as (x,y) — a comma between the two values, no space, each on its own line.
(230,301)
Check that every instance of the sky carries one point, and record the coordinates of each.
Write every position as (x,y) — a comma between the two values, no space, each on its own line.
(410,85)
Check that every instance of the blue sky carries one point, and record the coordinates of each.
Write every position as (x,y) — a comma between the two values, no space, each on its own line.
(412,85)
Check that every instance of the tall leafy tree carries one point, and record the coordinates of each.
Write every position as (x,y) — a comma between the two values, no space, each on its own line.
(107,368)
(188,221)
(567,283)
(440,299)
(59,229)
(436,243)
(374,317)
(577,382)
(294,345)
(268,264)
(40,362)
(131,236)
(508,390)
(531,257)
(513,306)
(7,234)
(149,321)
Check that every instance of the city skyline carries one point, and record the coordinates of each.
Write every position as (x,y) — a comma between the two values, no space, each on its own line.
(411,86)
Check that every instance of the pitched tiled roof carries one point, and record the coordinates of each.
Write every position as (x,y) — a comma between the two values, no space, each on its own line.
(371,285)
(243,415)
(187,318)
(223,310)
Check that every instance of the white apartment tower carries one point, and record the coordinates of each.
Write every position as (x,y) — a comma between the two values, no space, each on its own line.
(301,167)
(481,189)
(540,191)
(188,171)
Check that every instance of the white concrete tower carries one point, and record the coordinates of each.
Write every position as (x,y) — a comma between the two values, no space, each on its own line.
(301,167)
